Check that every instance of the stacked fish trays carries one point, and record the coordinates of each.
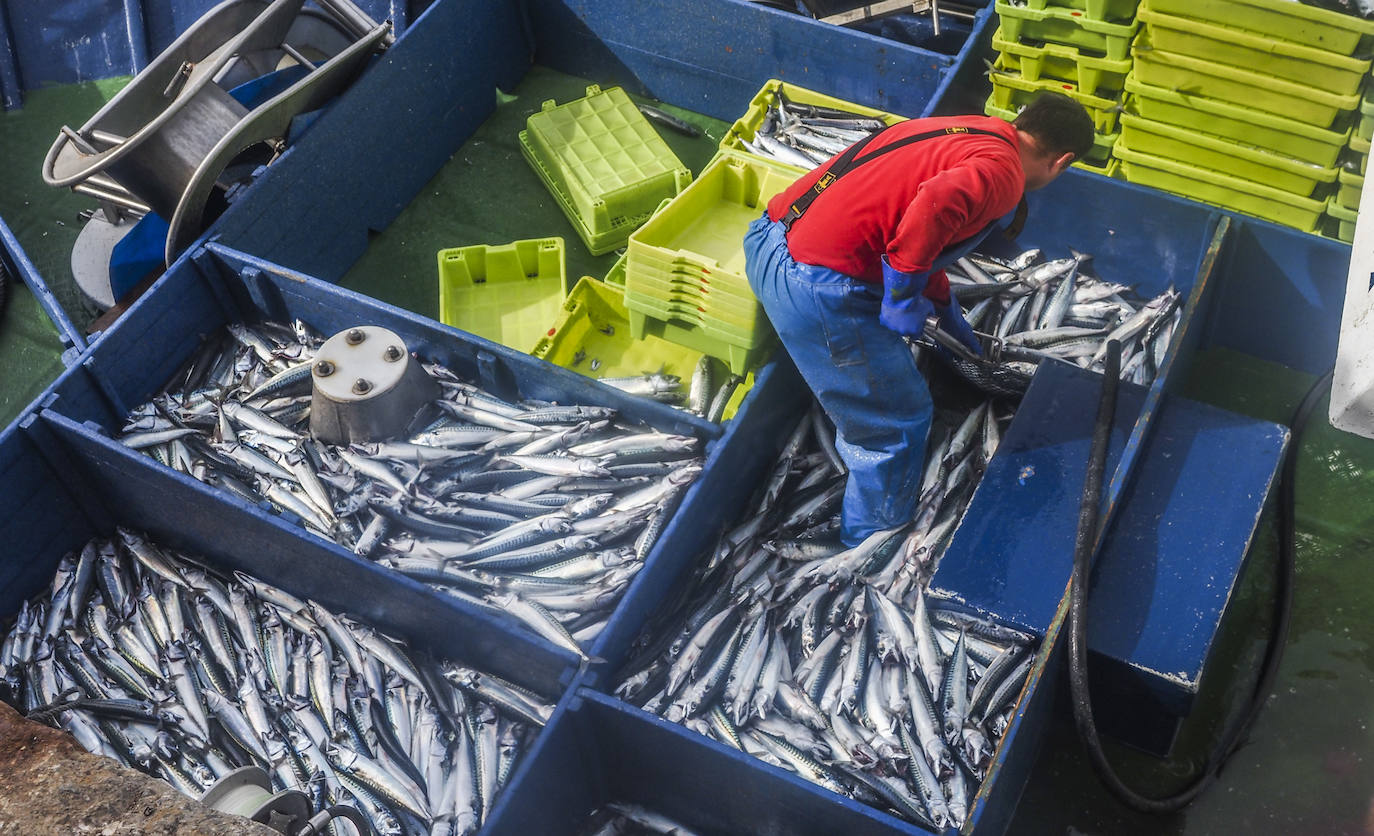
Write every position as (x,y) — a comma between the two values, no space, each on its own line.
(1344,205)
(1081,49)
(1246,104)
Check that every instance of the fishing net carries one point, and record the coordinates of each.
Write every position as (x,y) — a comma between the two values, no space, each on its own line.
(994,379)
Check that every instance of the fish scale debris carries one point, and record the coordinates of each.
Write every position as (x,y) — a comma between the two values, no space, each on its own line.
(150,659)
(543,511)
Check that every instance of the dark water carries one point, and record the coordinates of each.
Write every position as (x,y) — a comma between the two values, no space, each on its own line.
(1306,768)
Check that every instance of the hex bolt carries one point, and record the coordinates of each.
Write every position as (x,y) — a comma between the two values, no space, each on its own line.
(324,368)
(361,386)
(354,336)
(393,353)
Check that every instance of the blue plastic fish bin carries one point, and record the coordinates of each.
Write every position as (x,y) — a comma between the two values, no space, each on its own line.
(601,751)
(433,88)
(66,484)
(213,286)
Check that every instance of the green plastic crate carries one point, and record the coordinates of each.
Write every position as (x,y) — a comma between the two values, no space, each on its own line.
(1111,11)
(1319,68)
(704,226)
(1096,159)
(1233,84)
(740,359)
(1359,148)
(508,294)
(1281,20)
(1224,155)
(593,329)
(1012,92)
(1343,221)
(604,164)
(1066,26)
(1112,168)
(616,275)
(1364,127)
(1238,122)
(1100,76)
(1348,195)
(1219,189)
(747,125)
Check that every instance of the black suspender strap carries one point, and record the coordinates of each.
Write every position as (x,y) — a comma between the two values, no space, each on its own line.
(850,159)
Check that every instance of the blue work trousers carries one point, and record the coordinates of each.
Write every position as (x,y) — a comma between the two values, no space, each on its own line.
(862,373)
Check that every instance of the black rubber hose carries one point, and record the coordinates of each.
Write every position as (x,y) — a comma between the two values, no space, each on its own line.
(1084,543)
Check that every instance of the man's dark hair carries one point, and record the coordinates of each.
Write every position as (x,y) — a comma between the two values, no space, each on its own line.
(1060,124)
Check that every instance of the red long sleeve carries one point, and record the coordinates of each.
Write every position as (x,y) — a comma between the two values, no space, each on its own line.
(909,204)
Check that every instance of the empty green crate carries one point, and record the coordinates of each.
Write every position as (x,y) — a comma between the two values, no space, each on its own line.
(605,165)
(1111,11)
(592,337)
(1342,219)
(1282,20)
(1112,168)
(1066,26)
(507,294)
(746,126)
(1036,61)
(1234,121)
(616,275)
(1224,155)
(1219,189)
(1012,92)
(1095,160)
(1351,184)
(1359,149)
(1364,126)
(1319,68)
(740,359)
(1233,84)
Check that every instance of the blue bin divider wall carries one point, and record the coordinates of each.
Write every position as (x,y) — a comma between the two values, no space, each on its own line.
(712,57)
(21,268)
(1280,296)
(42,44)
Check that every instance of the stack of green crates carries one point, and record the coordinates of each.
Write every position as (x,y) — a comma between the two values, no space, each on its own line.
(684,270)
(1248,105)
(1080,48)
(1344,204)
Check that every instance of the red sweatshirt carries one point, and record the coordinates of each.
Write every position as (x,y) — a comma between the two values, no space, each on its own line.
(910,203)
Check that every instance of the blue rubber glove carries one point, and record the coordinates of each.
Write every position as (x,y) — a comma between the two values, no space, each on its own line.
(905,307)
(952,322)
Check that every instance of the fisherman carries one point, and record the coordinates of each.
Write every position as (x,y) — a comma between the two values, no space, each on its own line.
(882,220)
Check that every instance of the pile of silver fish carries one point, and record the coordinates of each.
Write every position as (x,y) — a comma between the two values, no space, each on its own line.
(831,661)
(707,395)
(806,135)
(1053,310)
(619,818)
(540,510)
(150,659)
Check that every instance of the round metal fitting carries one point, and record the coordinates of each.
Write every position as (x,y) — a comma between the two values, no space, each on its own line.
(324,368)
(393,353)
(361,386)
(354,336)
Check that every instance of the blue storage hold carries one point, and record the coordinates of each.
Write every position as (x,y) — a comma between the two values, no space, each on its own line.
(66,485)
(601,750)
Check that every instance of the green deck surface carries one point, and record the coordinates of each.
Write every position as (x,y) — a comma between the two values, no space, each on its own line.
(487,194)
(1305,769)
